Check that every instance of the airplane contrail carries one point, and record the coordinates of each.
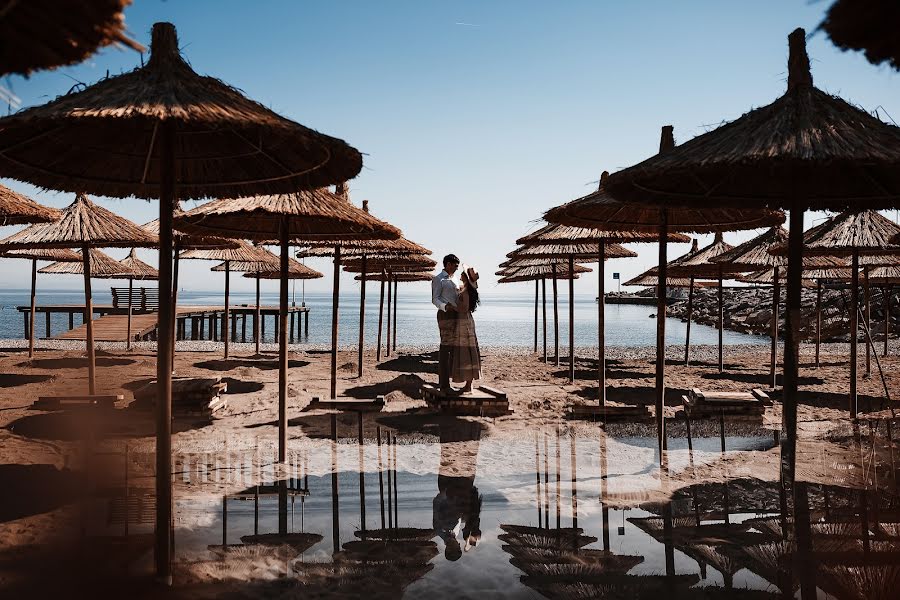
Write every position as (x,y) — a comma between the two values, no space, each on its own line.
(467,24)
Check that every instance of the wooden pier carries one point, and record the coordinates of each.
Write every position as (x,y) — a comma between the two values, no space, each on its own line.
(192,322)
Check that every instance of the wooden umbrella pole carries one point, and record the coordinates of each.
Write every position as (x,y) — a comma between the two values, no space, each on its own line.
(175,262)
(818,319)
(395,315)
(163,521)
(854,331)
(690,314)
(536,292)
(387,345)
(662,278)
(601,322)
(128,327)
(887,317)
(362,316)
(257,317)
(571,319)
(544,320)
(225,331)
(380,316)
(283,342)
(868,306)
(89,320)
(792,349)
(335,299)
(33,305)
(555,317)
(773,359)
(721,324)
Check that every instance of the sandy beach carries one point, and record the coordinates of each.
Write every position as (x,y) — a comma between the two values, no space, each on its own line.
(45,452)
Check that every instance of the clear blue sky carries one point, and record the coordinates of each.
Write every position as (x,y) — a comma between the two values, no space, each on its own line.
(476,116)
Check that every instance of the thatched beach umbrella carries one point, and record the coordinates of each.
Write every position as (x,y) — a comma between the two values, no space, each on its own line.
(299,216)
(363,250)
(244,253)
(34,255)
(556,239)
(83,225)
(807,149)
(18,209)
(269,270)
(600,209)
(865,236)
(140,271)
(44,34)
(753,255)
(699,265)
(134,134)
(812,277)
(887,278)
(389,266)
(868,25)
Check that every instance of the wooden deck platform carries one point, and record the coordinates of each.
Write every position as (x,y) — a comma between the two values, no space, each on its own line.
(205,322)
(482,401)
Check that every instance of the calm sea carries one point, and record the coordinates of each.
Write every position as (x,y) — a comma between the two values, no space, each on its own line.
(502,319)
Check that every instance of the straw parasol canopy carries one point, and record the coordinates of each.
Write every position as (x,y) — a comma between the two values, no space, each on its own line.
(568,234)
(767,276)
(105,138)
(650,278)
(536,272)
(805,150)
(139,269)
(54,254)
(296,270)
(82,224)
(184,241)
(103,266)
(371,248)
(581,252)
(241,253)
(398,276)
(393,264)
(885,275)
(870,26)
(44,34)
(17,209)
(754,255)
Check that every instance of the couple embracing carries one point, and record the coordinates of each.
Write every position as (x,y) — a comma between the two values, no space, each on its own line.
(456,298)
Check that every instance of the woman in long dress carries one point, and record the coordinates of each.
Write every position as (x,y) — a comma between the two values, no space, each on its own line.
(466,355)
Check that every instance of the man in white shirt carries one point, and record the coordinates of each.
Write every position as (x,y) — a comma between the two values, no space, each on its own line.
(444,296)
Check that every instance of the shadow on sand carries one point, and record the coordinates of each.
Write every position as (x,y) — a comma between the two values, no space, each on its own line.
(36,489)
(263,364)
(8,380)
(74,362)
(426,362)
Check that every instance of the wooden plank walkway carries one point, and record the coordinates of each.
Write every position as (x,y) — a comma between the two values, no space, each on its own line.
(113,328)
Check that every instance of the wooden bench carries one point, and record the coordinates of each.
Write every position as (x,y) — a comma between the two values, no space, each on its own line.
(86,401)
(142,299)
(700,403)
(595,412)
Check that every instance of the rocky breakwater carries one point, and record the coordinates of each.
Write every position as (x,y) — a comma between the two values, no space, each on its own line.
(749,310)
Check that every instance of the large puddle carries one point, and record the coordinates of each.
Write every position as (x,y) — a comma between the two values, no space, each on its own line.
(563,512)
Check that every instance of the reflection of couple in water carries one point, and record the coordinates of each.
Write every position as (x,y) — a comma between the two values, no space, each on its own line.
(457,506)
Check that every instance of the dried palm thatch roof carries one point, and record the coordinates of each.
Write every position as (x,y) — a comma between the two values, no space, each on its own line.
(398,263)
(243,252)
(600,209)
(16,209)
(584,252)
(537,272)
(568,234)
(845,157)
(296,270)
(401,276)
(309,215)
(754,254)
(139,269)
(870,26)
(107,138)
(103,266)
(767,276)
(885,276)
(371,248)
(83,223)
(54,254)
(651,279)
(184,241)
(260,259)
(699,263)
(535,262)
(865,232)
(44,34)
